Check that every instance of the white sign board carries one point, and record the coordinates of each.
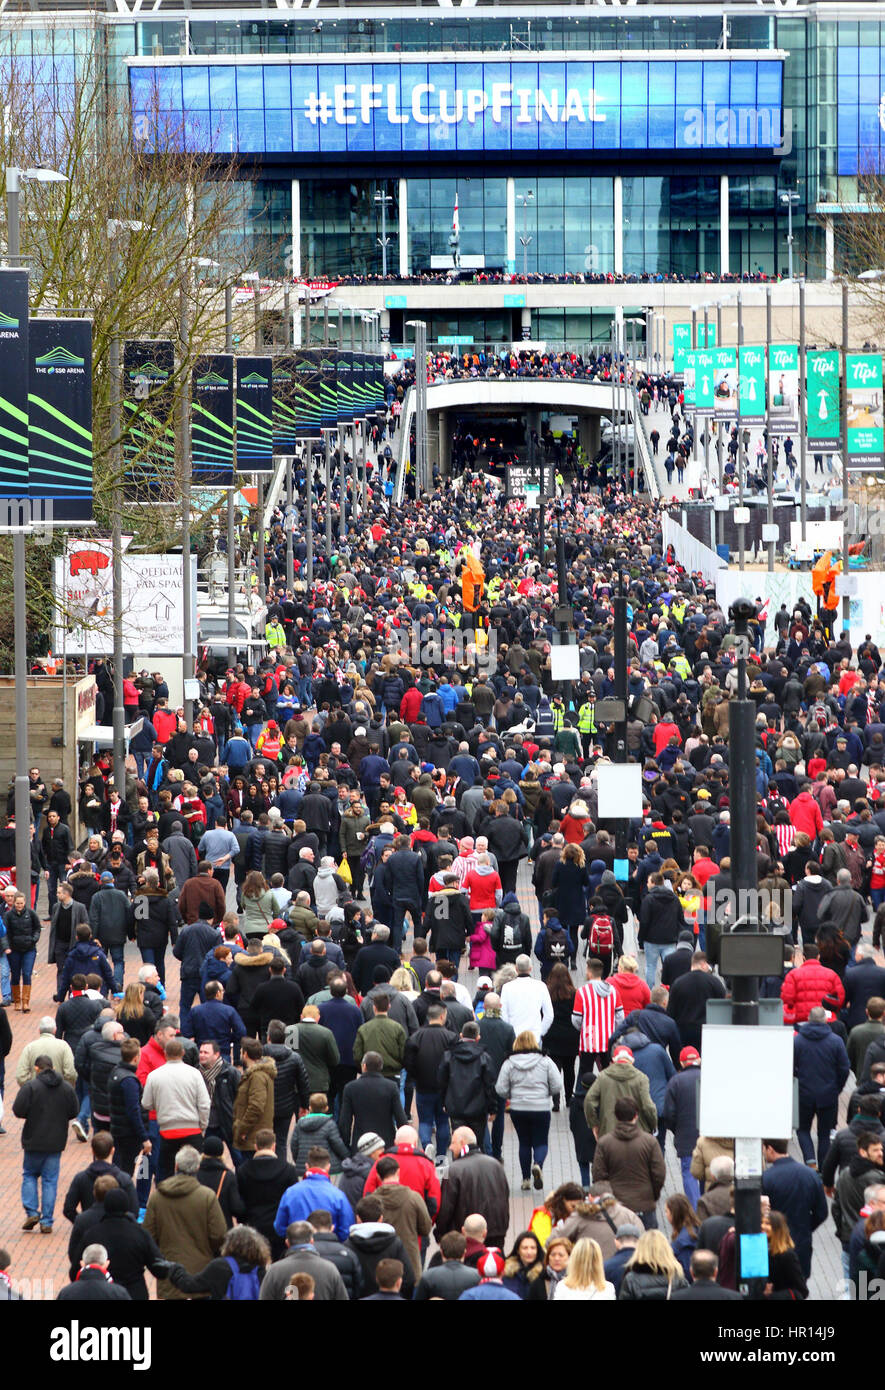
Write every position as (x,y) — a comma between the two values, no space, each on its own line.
(620,791)
(153,601)
(733,1104)
(820,535)
(565,663)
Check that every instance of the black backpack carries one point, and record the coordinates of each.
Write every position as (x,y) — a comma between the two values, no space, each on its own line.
(555,945)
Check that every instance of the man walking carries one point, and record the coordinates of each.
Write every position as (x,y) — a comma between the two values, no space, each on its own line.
(47,1105)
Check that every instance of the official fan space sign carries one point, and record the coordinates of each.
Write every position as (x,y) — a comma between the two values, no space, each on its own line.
(153,600)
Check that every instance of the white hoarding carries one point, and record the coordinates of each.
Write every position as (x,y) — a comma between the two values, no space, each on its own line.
(153,601)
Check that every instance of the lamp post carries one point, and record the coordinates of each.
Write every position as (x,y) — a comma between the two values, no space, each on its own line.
(14,177)
(790,200)
(525,239)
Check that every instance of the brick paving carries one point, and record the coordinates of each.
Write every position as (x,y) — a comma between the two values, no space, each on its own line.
(42,1259)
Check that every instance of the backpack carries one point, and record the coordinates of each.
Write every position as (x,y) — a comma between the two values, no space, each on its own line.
(601,941)
(244,1286)
(368,859)
(555,945)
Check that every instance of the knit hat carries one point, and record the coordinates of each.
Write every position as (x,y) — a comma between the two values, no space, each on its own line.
(368,1143)
(622,1054)
(686,937)
(689,1057)
(491,1265)
(628,1231)
(213,1147)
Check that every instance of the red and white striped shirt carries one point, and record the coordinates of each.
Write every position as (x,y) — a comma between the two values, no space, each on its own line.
(785,836)
(601,1012)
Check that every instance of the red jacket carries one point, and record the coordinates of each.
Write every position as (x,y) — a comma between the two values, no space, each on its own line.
(806,987)
(632,991)
(410,705)
(237,693)
(805,815)
(152,1056)
(415,1171)
(165,721)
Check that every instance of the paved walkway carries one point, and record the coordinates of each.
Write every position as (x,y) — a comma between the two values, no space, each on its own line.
(41,1259)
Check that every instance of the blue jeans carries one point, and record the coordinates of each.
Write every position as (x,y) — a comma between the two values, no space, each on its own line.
(493,1140)
(653,954)
(431,1113)
(878,897)
(398,922)
(690,1185)
(21,966)
(190,989)
(157,958)
(533,1132)
(84,1114)
(116,955)
(44,1167)
(305,691)
(4,979)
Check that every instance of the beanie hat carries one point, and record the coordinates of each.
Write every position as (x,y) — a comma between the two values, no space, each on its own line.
(622,1054)
(213,1147)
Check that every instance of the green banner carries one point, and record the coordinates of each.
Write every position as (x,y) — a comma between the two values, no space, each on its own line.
(725,383)
(783,376)
(863,404)
(688,384)
(707,335)
(681,346)
(703,388)
(751,385)
(822,400)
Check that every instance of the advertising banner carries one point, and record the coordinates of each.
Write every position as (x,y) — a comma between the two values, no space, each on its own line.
(148,418)
(380,398)
(153,600)
(344,374)
(357,384)
(725,384)
(14,390)
(285,395)
(706,335)
(751,385)
(783,376)
(212,421)
(60,416)
(681,346)
(308,402)
(704,398)
(689,381)
(254,446)
(822,412)
(863,404)
(328,389)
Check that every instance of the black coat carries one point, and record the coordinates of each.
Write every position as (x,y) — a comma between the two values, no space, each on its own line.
(506,839)
(475,1183)
(371,1102)
(47,1105)
(291,1087)
(447,921)
(343,1258)
(79,1194)
(156,921)
(405,877)
(261,1183)
(131,1250)
(75,1017)
(93,1287)
(466,1081)
(215,1174)
(424,1052)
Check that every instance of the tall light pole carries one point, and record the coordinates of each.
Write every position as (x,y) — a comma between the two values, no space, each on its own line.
(19,573)
(790,200)
(383,240)
(525,239)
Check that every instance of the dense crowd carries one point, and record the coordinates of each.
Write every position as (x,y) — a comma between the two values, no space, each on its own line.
(577,277)
(378,860)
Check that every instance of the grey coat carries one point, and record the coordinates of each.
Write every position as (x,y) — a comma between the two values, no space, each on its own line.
(529,1080)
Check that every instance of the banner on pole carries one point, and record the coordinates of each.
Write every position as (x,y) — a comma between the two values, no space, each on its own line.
(863,406)
(689,382)
(822,400)
(254,442)
(14,390)
(328,389)
(212,421)
(344,375)
(706,335)
(148,418)
(682,345)
(725,384)
(783,377)
(357,386)
(60,416)
(704,398)
(308,404)
(285,393)
(751,385)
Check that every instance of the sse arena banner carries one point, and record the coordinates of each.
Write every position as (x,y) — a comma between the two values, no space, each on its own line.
(245,107)
(60,416)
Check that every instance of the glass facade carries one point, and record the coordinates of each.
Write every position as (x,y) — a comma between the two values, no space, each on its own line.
(834,94)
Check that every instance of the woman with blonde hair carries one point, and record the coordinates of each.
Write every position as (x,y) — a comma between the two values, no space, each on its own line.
(138,1021)
(404,981)
(585,1277)
(556,1257)
(653,1271)
(633,992)
(259,905)
(531,1082)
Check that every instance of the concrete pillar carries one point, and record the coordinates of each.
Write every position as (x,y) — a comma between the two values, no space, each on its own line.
(434,426)
(403,227)
(619,224)
(511,225)
(829,250)
(295,250)
(723,225)
(443,443)
(590,435)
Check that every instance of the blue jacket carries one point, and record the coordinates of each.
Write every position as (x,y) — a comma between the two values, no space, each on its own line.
(680,1112)
(86,958)
(213,969)
(315,1190)
(144,740)
(371,768)
(288,802)
(541,946)
(432,710)
(657,1025)
(193,942)
(489,1293)
(314,747)
(447,697)
(215,1021)
(342,1017)
(653,1061)
(236,753)
(820,1062)
(798,1192)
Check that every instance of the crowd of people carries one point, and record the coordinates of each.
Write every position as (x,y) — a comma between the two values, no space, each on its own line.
(378,860)
(577,277)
